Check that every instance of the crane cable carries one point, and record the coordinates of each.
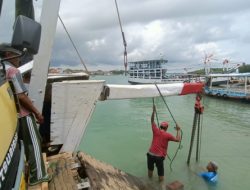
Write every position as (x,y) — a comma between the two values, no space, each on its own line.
(125,59)
(165,103)
(180,146)
(73,44)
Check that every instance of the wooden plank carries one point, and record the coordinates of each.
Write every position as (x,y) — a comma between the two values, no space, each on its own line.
(71,183)
(44,185)
(100,175)
(63,175)
(35,187)
(57,183)
(60,155)
(61,181)
(52,186)
(105,176)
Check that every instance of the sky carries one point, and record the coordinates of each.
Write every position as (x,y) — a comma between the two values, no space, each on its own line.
(181,31)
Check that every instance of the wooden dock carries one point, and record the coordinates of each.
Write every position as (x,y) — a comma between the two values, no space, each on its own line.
(73,171)
(104,176)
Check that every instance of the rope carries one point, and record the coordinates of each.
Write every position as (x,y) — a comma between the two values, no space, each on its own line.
(123,38)
(73,44)
(165,103)
(180,146)
(159,126)
(156,114)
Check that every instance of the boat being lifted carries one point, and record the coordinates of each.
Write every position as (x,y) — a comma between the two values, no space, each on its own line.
(236,86)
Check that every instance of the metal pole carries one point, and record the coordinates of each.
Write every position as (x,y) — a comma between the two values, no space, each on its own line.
(198,140)
(192,138)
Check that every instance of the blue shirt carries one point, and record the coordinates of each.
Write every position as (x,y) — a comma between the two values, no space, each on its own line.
(209,176)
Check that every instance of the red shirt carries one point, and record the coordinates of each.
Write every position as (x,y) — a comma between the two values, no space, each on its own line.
(160,140)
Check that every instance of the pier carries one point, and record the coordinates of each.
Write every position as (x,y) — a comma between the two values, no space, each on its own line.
(73,171)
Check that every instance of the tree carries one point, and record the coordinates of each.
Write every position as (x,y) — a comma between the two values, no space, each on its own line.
(244,69)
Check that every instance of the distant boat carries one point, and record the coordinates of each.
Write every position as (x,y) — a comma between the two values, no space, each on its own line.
(222,79)
(232,85)
(155,71)
(217,81)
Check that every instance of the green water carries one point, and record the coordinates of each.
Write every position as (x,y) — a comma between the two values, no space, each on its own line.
(119,133)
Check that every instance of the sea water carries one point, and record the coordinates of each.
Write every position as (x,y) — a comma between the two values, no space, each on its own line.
(119,133)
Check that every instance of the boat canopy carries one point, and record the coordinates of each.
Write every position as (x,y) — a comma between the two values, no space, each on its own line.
(230,75)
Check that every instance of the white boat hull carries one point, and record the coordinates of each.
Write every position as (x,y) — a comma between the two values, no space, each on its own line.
(73,103)
(150,90)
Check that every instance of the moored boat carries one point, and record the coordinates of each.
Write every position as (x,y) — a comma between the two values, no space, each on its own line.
(234,86)
(155,71)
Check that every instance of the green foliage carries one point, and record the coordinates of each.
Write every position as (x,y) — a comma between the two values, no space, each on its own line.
(73,70)
(117,72)
(202,71)
(198,72)
(244,69)
(216,70)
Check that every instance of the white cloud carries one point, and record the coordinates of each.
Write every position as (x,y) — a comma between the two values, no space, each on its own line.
(96,44)
(179,30)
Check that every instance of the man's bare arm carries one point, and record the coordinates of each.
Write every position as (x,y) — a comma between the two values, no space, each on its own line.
(27,104)
(178,136)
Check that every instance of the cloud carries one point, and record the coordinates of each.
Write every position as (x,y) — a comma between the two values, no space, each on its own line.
(181,31)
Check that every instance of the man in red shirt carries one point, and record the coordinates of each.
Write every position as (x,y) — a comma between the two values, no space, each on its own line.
(158,149)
